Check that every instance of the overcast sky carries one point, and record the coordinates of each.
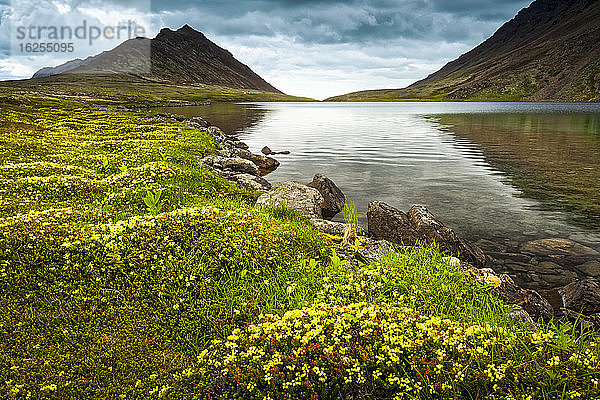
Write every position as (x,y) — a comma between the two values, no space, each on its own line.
(312,48)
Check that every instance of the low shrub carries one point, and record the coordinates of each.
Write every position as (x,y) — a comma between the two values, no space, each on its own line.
(88,309)
(101,298)
(366,350)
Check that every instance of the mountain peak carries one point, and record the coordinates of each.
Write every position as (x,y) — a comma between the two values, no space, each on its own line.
(186,32)
(186,27)
(183,56)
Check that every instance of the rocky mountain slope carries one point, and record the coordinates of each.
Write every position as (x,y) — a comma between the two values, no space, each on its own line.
(184,56)
(548,52)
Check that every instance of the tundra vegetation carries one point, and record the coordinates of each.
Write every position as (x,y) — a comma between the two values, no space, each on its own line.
(129,270)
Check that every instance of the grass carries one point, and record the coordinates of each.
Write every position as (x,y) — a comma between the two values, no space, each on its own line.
(98,292)
(391,95)
(127,270)
(410,326)
(351,220)
(119,89)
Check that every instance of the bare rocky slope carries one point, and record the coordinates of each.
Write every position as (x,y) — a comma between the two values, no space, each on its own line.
(184,56)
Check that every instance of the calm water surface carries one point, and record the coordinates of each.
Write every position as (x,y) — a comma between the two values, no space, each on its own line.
(500,174)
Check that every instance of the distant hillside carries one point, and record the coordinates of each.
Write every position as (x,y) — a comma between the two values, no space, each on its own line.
(69,65)
(549,52)
(184,56)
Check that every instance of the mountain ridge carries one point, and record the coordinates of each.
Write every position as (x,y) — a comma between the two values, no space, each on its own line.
(184,56)
(547,52)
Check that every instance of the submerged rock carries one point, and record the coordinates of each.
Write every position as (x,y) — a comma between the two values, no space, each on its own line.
(590,268)
(559,250)
(267,151)
(306,200)
(419,226)
(333,198)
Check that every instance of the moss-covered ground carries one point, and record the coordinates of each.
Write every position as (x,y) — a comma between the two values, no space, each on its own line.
(127,270)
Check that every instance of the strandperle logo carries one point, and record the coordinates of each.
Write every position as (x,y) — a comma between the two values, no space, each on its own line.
(82,32)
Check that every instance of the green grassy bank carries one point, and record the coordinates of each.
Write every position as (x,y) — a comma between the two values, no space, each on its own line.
(128,270)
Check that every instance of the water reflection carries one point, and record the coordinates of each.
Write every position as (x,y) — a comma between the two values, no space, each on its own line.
(230,117)
(552,158)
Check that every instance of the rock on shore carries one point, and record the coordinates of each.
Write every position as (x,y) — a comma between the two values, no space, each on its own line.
(233,161)
(264,164)
(390,228)
(321,199)
(419,226)
(306,200)
(333,198)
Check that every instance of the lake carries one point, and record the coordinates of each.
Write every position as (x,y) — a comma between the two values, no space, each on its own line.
(501,174)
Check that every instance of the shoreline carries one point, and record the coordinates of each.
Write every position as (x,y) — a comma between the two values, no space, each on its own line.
(527,304)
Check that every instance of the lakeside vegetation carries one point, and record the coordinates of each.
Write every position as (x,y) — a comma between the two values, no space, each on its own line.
(129,270)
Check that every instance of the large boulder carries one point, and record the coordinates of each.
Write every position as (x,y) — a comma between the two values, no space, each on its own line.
(333,198)
(389,223)
(582,296)
(306,200)
(419,226)
(251,182)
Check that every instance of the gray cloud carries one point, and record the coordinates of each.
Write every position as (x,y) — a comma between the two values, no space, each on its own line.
(354,21)
(4,28)
(320,48)
(315,48)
